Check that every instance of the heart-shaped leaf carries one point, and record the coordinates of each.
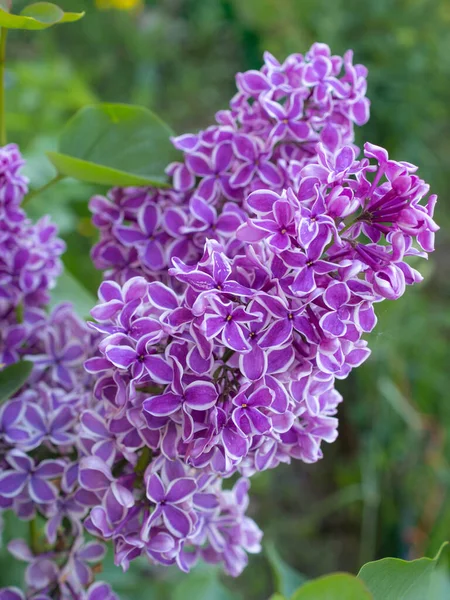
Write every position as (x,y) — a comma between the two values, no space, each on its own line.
(338,586)
(115,144)
(13,377)
(395,579)
(40,15)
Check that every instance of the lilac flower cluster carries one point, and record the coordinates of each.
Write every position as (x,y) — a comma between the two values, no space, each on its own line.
(233,301)
(29,253)
(39,425)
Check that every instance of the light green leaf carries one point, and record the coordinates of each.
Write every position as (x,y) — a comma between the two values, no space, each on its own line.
(203,585)
(338,586)
(69,289)
(395,579)
(286,578)
(277,597)
(40,15)
(115,144)
(13,377)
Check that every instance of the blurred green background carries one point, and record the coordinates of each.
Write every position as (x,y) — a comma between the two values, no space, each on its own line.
(383,489)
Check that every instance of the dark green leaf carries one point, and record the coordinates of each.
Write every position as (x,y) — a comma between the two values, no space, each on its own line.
(115,144)
(338,586)
(286,578)
(395,579)
(69,289)
(13,377)
(40,15)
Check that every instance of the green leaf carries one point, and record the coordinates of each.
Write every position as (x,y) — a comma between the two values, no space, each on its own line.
(13,377)
(277,597)
(286,578)
(338,586)
(40,15)
(203,585)
(395,579)
(69,289)
(115,144)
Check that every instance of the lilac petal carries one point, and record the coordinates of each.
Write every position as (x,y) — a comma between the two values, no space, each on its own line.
(203,211)
(213,326)
(62,418)
(158,369)
(278,334)
(50,469)
(244,147)
(34,417)
(259,421)
(270,174)
(94,424)
(12,483)
(148,219)
(198,163)
(283,213)
(235,444)
(200,395)
(366,317)
(94,474)
(206,501)
(121,356)
(233,337)
(198,280)
(176,521)
(253,82)
(222,156)
(261,397)
(262,201)
(12,411)
(129,235)
(42,491)
(249,233)
(155,489)
(336,295)
(180,490)
(97,365)
(72,353)
(243,175)
(275,110)
(254,363)
(109,290)
(83,572)
(332,324)
(153,256)
(304,283)
(163,405)
(92,552)
(20,461)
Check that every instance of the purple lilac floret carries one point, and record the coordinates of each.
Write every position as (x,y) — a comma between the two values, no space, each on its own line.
(234,300)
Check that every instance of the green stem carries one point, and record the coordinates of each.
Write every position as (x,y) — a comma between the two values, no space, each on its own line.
(3,35)
(37,191)
(34,536)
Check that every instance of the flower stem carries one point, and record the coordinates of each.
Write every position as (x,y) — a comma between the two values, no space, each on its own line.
(3,35)
(48,185)
(34,536)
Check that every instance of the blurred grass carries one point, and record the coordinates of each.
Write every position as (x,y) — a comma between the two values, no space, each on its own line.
(384,487)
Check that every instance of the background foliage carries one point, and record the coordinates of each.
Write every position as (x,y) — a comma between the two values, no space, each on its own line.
(383,489)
